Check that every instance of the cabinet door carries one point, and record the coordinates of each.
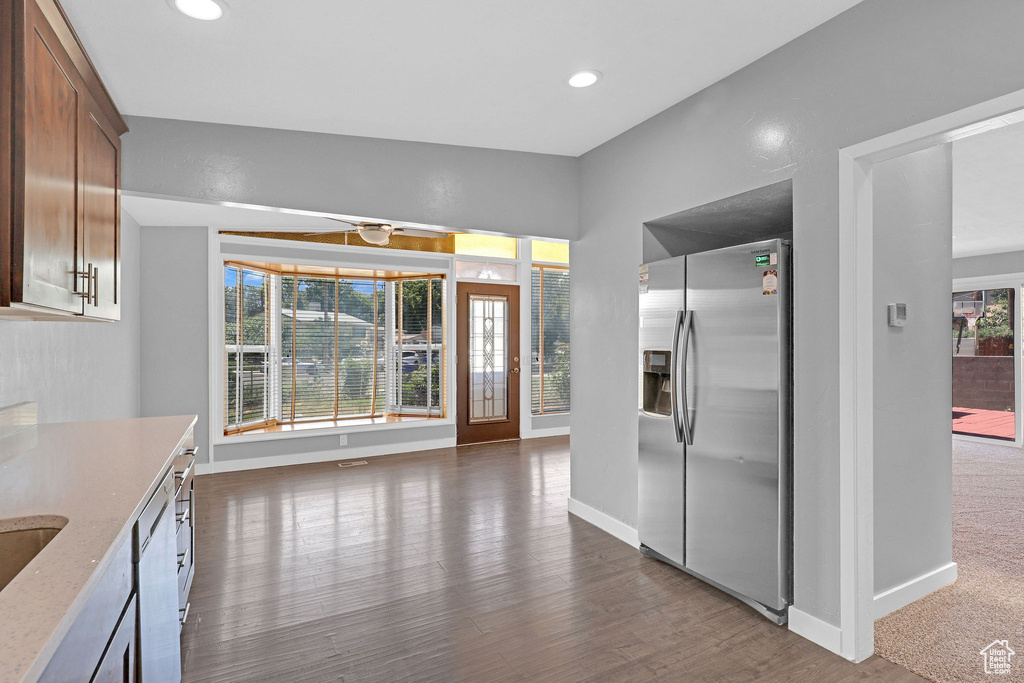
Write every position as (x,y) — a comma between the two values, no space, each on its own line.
(52,100)
(86,640)
(119,664)
(101,223)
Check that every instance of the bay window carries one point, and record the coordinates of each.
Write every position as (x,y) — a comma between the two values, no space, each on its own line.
(302,347)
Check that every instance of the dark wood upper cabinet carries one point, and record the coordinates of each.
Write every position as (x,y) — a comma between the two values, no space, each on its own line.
(60,182)
(101,215)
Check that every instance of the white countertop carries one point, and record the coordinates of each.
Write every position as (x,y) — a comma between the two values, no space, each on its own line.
(97,475)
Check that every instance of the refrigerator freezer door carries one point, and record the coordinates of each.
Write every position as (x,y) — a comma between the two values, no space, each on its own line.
(736,482)
(661,463)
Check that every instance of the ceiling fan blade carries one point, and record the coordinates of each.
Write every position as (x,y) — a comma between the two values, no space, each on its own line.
(413,232)
(342,220)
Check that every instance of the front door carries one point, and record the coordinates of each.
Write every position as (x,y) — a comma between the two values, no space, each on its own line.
(487,364)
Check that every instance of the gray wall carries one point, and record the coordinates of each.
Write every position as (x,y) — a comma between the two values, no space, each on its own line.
(878,67)
(175,328)
(913,466)
(382,440)
(989,264)
(458,187)
(78,370)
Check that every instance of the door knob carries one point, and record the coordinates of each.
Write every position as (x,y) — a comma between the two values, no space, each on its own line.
(515,370)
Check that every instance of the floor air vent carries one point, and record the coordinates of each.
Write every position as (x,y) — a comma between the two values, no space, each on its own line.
(351,463)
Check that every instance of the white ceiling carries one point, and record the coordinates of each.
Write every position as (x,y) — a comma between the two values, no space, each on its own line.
(988,192)
(481,73)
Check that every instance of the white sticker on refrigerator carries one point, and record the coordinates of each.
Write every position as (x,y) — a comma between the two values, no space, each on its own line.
(773,259)
(770,282)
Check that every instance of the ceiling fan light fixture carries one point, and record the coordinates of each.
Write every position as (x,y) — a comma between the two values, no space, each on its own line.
(204,10)
(378,235)
(585,78)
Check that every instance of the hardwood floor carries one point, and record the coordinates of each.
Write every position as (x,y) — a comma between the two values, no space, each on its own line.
(457,565)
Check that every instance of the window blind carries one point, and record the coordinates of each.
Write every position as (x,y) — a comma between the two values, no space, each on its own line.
(549,357)
(246,348)
(310,360)
(417,360)
(357,330)
(308,348)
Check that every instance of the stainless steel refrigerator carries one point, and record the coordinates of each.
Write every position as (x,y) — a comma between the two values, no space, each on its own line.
(715,434)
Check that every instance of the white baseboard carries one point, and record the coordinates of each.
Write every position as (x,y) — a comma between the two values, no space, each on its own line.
(322,456)
(915,589)
(539,433)
(815,630)
(619,530)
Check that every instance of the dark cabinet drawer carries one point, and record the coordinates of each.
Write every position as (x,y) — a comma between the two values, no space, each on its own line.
(119,663)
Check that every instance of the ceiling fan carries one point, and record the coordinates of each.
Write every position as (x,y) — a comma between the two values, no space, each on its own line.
(380,233)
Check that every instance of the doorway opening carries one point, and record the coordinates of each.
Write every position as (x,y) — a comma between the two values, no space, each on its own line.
(930,615)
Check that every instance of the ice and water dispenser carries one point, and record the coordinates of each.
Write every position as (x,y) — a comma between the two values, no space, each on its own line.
(657,382)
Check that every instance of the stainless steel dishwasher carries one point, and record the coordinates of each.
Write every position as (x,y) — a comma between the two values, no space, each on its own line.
(157,582)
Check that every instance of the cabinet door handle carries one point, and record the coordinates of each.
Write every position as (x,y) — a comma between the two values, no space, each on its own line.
(184,613)
(184,473)
(95,286)
(88,275)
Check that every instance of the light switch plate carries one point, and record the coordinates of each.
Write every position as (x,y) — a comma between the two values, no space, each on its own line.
(343,440)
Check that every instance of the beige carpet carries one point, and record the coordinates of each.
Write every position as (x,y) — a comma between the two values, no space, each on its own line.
(941,635)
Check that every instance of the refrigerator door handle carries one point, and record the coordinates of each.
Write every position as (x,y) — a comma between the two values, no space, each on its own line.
(674,377)
(680,413)
(687,328)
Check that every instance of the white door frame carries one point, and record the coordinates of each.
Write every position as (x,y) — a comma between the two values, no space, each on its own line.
(856,349)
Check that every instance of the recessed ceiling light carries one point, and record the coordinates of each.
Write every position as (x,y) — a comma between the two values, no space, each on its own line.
(206,10)
(582,79)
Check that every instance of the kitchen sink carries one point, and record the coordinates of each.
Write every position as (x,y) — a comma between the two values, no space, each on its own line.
(24,540)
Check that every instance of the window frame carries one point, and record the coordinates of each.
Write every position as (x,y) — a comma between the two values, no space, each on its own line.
(243,348)
(253,249)
(543,265)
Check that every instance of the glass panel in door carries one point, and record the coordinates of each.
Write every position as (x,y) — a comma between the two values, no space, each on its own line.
(488,358)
